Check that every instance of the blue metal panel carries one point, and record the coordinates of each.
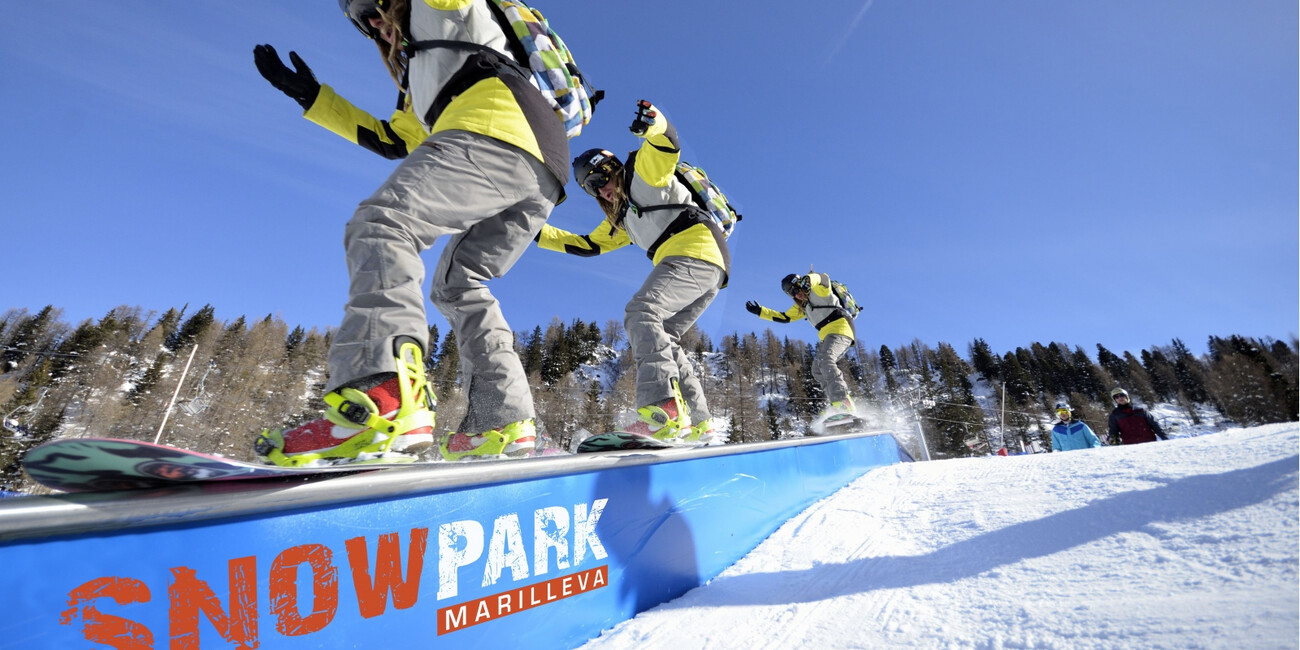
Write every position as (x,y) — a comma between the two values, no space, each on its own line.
(558,558)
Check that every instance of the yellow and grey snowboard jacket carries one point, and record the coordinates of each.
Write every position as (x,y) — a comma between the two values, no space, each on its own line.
(482,91)
(823,310)
(392,138)
(661,233)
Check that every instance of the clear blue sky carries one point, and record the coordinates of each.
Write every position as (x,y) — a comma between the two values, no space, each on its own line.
(1110,171)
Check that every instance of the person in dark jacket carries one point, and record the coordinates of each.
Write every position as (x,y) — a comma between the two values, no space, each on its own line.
(1130,425)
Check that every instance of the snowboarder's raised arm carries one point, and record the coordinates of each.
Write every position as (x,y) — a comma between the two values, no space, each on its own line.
(601,240)
(392,138)
(656,161)
(794,313)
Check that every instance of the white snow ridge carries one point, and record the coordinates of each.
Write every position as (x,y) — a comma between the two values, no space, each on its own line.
(1189,543)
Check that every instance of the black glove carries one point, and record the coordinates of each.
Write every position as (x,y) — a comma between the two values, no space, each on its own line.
(645,117)
(754,308)
(299,84)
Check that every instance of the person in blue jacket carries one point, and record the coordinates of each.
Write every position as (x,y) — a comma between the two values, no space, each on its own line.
(1070,434)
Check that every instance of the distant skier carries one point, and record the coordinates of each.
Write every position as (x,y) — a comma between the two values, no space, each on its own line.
(1131,425)
(814,299)
(645,204)
(488,177)
(1069,434)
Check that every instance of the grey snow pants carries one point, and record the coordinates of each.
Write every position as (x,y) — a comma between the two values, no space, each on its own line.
(672,298)
(825,370)
(491,198)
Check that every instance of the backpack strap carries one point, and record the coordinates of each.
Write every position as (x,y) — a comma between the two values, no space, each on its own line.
(516,48)
(629,168)
(691,214)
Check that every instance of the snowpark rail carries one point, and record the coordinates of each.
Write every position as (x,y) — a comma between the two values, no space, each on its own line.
(538,553)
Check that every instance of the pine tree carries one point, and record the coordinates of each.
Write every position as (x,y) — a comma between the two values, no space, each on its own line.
(1160,373)
(984,361)
(1112,364)
(448,365)
(532,355)
(957,420)
(294,339)
(1019,386)
(192,327)
(1190,373)
(1088,377)
(30,335)
(887,367)
(1138,384)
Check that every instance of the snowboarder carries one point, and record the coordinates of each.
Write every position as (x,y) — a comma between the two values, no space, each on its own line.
(488,176)
(1131,425)
(814,300)
(645,204)
(1069,434)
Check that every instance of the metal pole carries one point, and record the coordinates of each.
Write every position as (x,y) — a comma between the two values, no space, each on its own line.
(1002,426)
(920,433)
(168,412)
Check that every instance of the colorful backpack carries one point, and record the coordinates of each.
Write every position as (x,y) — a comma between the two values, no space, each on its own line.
(706,194)
(537,48)
(846,298)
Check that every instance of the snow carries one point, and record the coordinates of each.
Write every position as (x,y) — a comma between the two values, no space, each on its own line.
(1189,543)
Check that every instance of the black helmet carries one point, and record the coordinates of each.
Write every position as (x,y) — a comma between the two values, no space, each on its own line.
(360,11)
(593,168)
(793,283)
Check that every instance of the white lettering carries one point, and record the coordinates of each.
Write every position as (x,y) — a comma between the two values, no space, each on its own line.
(550,530)
(506,550)
(454,617)
(459,544)
(584,531)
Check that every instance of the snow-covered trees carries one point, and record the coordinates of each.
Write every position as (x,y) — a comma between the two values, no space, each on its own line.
(116,377)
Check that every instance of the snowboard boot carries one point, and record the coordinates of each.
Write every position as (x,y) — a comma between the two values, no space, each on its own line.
(701,432)
(514,440)
(845,407)
(397,415)
(664,421)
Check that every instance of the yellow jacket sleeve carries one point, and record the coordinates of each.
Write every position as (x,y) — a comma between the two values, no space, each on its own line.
(821,284)
(656,160)
(790,315)
(603,239)
(392,139)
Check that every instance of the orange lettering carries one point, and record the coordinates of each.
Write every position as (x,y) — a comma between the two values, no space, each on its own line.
(189,596)
(372,598)
(284,589)
(120,633)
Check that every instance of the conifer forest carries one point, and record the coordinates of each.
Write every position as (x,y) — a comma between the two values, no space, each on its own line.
(185,379)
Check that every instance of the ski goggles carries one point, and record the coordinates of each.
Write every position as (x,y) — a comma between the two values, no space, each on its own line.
(598,178)
(360,12)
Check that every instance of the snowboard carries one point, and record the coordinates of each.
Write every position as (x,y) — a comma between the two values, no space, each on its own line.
(96,464)
(840,423)
(622,441)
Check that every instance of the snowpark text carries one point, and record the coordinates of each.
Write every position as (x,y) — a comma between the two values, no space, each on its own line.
(307,607)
